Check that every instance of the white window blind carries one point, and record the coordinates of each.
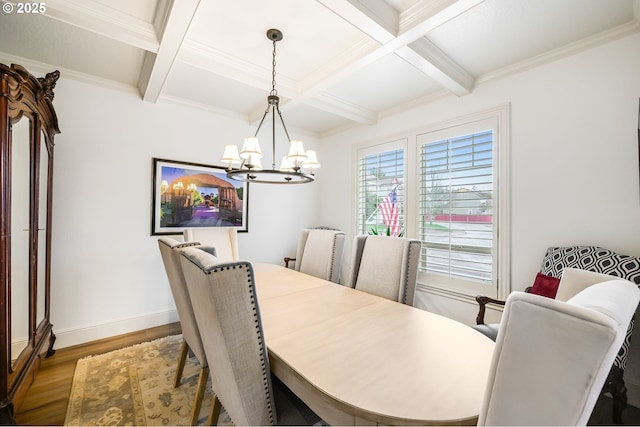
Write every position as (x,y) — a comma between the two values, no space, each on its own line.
(381,192)
(456,202)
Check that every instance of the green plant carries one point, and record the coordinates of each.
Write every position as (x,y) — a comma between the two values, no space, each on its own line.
(374,231)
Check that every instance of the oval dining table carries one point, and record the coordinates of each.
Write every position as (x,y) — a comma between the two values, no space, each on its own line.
(358,359)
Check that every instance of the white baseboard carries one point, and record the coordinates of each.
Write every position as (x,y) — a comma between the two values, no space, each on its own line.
(81,335)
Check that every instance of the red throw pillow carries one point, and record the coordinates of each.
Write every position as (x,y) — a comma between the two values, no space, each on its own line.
(546,286)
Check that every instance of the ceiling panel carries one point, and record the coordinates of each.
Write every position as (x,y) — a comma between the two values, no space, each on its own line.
(371,86)
(213,90)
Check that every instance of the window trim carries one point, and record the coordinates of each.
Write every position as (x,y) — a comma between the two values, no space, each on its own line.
(408,141)
(501,286)
(367,149)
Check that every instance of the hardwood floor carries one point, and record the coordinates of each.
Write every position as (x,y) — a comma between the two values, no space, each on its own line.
(47,399)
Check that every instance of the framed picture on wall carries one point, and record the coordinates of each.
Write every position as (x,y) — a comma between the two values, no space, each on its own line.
(189,195)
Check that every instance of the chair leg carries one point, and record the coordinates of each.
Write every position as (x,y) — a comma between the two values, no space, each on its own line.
(619,394)
(616,387)
(184,349)
(214,414)
(200,389)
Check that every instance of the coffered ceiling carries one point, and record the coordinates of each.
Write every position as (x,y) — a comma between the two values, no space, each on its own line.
(341,62)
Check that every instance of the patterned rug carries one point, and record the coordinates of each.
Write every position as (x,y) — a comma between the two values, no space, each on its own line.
(133,386)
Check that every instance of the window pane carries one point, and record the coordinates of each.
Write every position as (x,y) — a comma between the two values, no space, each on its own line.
(456,207)
(381,194)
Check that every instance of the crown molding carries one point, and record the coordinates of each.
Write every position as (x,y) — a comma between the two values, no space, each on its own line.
(564,51)
(204,107)
(65,73)
(334,105)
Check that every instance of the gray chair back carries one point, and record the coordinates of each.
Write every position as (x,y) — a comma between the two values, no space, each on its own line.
(170,251)
(224,301)
(385,266)
(320,253)
(224,239)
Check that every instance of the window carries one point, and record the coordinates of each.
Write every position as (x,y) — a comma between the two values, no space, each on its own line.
(447,186)
(381,192)
(456,181)
(459,209)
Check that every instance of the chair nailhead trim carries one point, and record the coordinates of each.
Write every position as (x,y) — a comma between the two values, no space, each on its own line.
(261,344)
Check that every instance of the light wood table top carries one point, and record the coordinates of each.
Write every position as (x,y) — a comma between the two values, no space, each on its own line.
(356,358)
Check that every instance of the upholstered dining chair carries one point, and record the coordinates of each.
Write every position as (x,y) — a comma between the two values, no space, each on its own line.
(319,253)
(548,283)
(385,266)
(226,308)
(170,252)
(224,239)
(570,345)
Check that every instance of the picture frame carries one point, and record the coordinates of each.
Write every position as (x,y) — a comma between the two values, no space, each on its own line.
(190,195)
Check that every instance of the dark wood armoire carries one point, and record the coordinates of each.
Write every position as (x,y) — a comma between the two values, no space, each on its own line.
(28,124)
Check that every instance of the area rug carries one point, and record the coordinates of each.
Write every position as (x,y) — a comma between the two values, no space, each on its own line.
(133,386)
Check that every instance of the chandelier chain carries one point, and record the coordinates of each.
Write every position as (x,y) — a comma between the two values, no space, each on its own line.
(273,71)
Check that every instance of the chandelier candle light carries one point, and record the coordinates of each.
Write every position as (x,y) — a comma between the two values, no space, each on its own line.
(249,159)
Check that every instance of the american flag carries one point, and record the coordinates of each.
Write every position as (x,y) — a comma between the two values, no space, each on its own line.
(390,213)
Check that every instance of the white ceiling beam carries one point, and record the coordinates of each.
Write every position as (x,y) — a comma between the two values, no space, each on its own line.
(409,43)
(427,15)
(433,62)
(374,18)
(157,66)
(96,17)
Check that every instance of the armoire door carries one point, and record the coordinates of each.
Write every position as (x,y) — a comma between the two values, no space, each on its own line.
(28,124)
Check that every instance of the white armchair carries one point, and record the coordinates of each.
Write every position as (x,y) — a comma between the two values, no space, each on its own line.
(224,239)
(570,345)
(591,260)
(385,266)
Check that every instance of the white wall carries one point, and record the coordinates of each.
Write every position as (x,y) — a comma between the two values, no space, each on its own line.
(107,274)
(574,161)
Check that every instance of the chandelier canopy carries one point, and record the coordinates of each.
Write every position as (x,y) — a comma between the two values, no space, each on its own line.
(249,163)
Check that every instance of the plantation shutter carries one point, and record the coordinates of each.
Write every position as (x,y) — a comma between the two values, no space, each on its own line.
(381,191)
(456,207)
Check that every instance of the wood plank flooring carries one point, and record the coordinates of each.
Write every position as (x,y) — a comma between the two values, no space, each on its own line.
(47,399)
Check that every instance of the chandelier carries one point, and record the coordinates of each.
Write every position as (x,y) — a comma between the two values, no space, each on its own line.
(249,163)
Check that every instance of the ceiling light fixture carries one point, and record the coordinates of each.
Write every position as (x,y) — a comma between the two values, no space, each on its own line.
(250,166)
